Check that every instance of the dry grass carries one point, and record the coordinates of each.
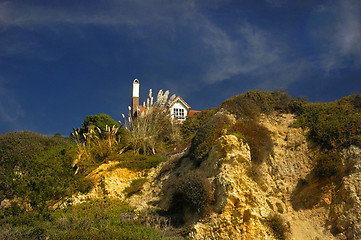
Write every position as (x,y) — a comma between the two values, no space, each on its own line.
(97,148)
(153,130)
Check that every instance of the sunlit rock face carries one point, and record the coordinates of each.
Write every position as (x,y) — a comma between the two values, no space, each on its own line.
(246,193)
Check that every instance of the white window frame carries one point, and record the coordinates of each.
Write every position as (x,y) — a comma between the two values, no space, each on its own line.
(179,113)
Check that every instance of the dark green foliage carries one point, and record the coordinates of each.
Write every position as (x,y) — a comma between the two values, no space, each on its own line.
(327,164)
(135,186)
(257,136)
(100,121)
(192,195)
(278,226)
(330,124)
(97,219)
(250,104)
(16,149)
(207,135)
(49,178)
(192,124)
(137,162)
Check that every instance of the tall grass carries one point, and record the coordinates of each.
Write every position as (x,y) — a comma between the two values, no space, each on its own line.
(152,130)
(97,148)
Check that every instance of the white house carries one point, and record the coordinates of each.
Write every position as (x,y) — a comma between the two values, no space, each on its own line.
(179,108)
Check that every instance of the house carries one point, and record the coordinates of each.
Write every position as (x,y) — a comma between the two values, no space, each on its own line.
(178,108)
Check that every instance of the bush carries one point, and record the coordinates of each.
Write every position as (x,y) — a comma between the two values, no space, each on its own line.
(278,227)
(192,196)
(152,133)
(207,135)
(257,136)
(250,104)
(16,149)
(192,124)
(49,178)
(139,162)
(330,124)
(98,121)
(96,219)
(96,149)
(327,164)
(135,187)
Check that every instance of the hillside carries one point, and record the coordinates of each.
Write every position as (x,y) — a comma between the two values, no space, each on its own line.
(262,165)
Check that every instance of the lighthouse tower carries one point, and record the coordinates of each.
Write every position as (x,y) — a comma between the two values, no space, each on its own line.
(135,96)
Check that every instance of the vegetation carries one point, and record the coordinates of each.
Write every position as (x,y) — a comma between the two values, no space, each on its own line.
(97,219)
(153,130)
(40,172)
(251,104)
(135,187)
(207,135)
(257,136)
(192,124)
(331,126)
(192,196)
(278,226)
(139,162)
(96,149)
(97,123)
(17,153)
(327,164)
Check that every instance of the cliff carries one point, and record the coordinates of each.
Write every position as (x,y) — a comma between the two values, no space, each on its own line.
(248,197)
(229,195)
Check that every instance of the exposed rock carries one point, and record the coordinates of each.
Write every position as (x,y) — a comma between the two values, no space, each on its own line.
(247,193)
(346,212)
(108,181)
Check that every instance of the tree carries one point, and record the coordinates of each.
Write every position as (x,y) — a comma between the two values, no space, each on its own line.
(100,121)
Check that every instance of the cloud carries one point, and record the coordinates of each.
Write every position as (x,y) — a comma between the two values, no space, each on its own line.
(10,109)
(252,52)
(339,35)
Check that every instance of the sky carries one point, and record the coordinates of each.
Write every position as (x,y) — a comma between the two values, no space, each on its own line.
(61,61)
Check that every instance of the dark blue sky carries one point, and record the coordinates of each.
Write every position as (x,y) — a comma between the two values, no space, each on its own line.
(63,60)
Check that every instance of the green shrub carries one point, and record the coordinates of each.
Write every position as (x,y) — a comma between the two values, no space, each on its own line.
(250,104)
(207,135)
(279,229)
(49,178)
(193,195)
(192,124)
(135,187)
(257,136)
(96,219)
(327,164)
(138,162)
(16,150)
(330,124)
(101,121)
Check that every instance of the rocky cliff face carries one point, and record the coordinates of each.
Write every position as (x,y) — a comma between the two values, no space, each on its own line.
(246,194)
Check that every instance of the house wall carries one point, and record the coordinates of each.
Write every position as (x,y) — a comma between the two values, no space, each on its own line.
(179,105)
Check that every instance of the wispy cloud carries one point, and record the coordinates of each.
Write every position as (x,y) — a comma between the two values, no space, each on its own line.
(340,36)
(254,52)
(10,109)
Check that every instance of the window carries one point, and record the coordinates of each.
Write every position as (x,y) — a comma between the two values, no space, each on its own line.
(178,113)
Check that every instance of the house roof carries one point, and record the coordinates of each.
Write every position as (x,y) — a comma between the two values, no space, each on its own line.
(192,112)
(179,99)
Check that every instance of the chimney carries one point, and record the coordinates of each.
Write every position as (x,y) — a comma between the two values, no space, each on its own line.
(135,97)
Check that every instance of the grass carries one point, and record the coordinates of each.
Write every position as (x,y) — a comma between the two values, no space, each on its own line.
(135,187)
(97,219)
(210,131)
(257,136)
(138,162)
